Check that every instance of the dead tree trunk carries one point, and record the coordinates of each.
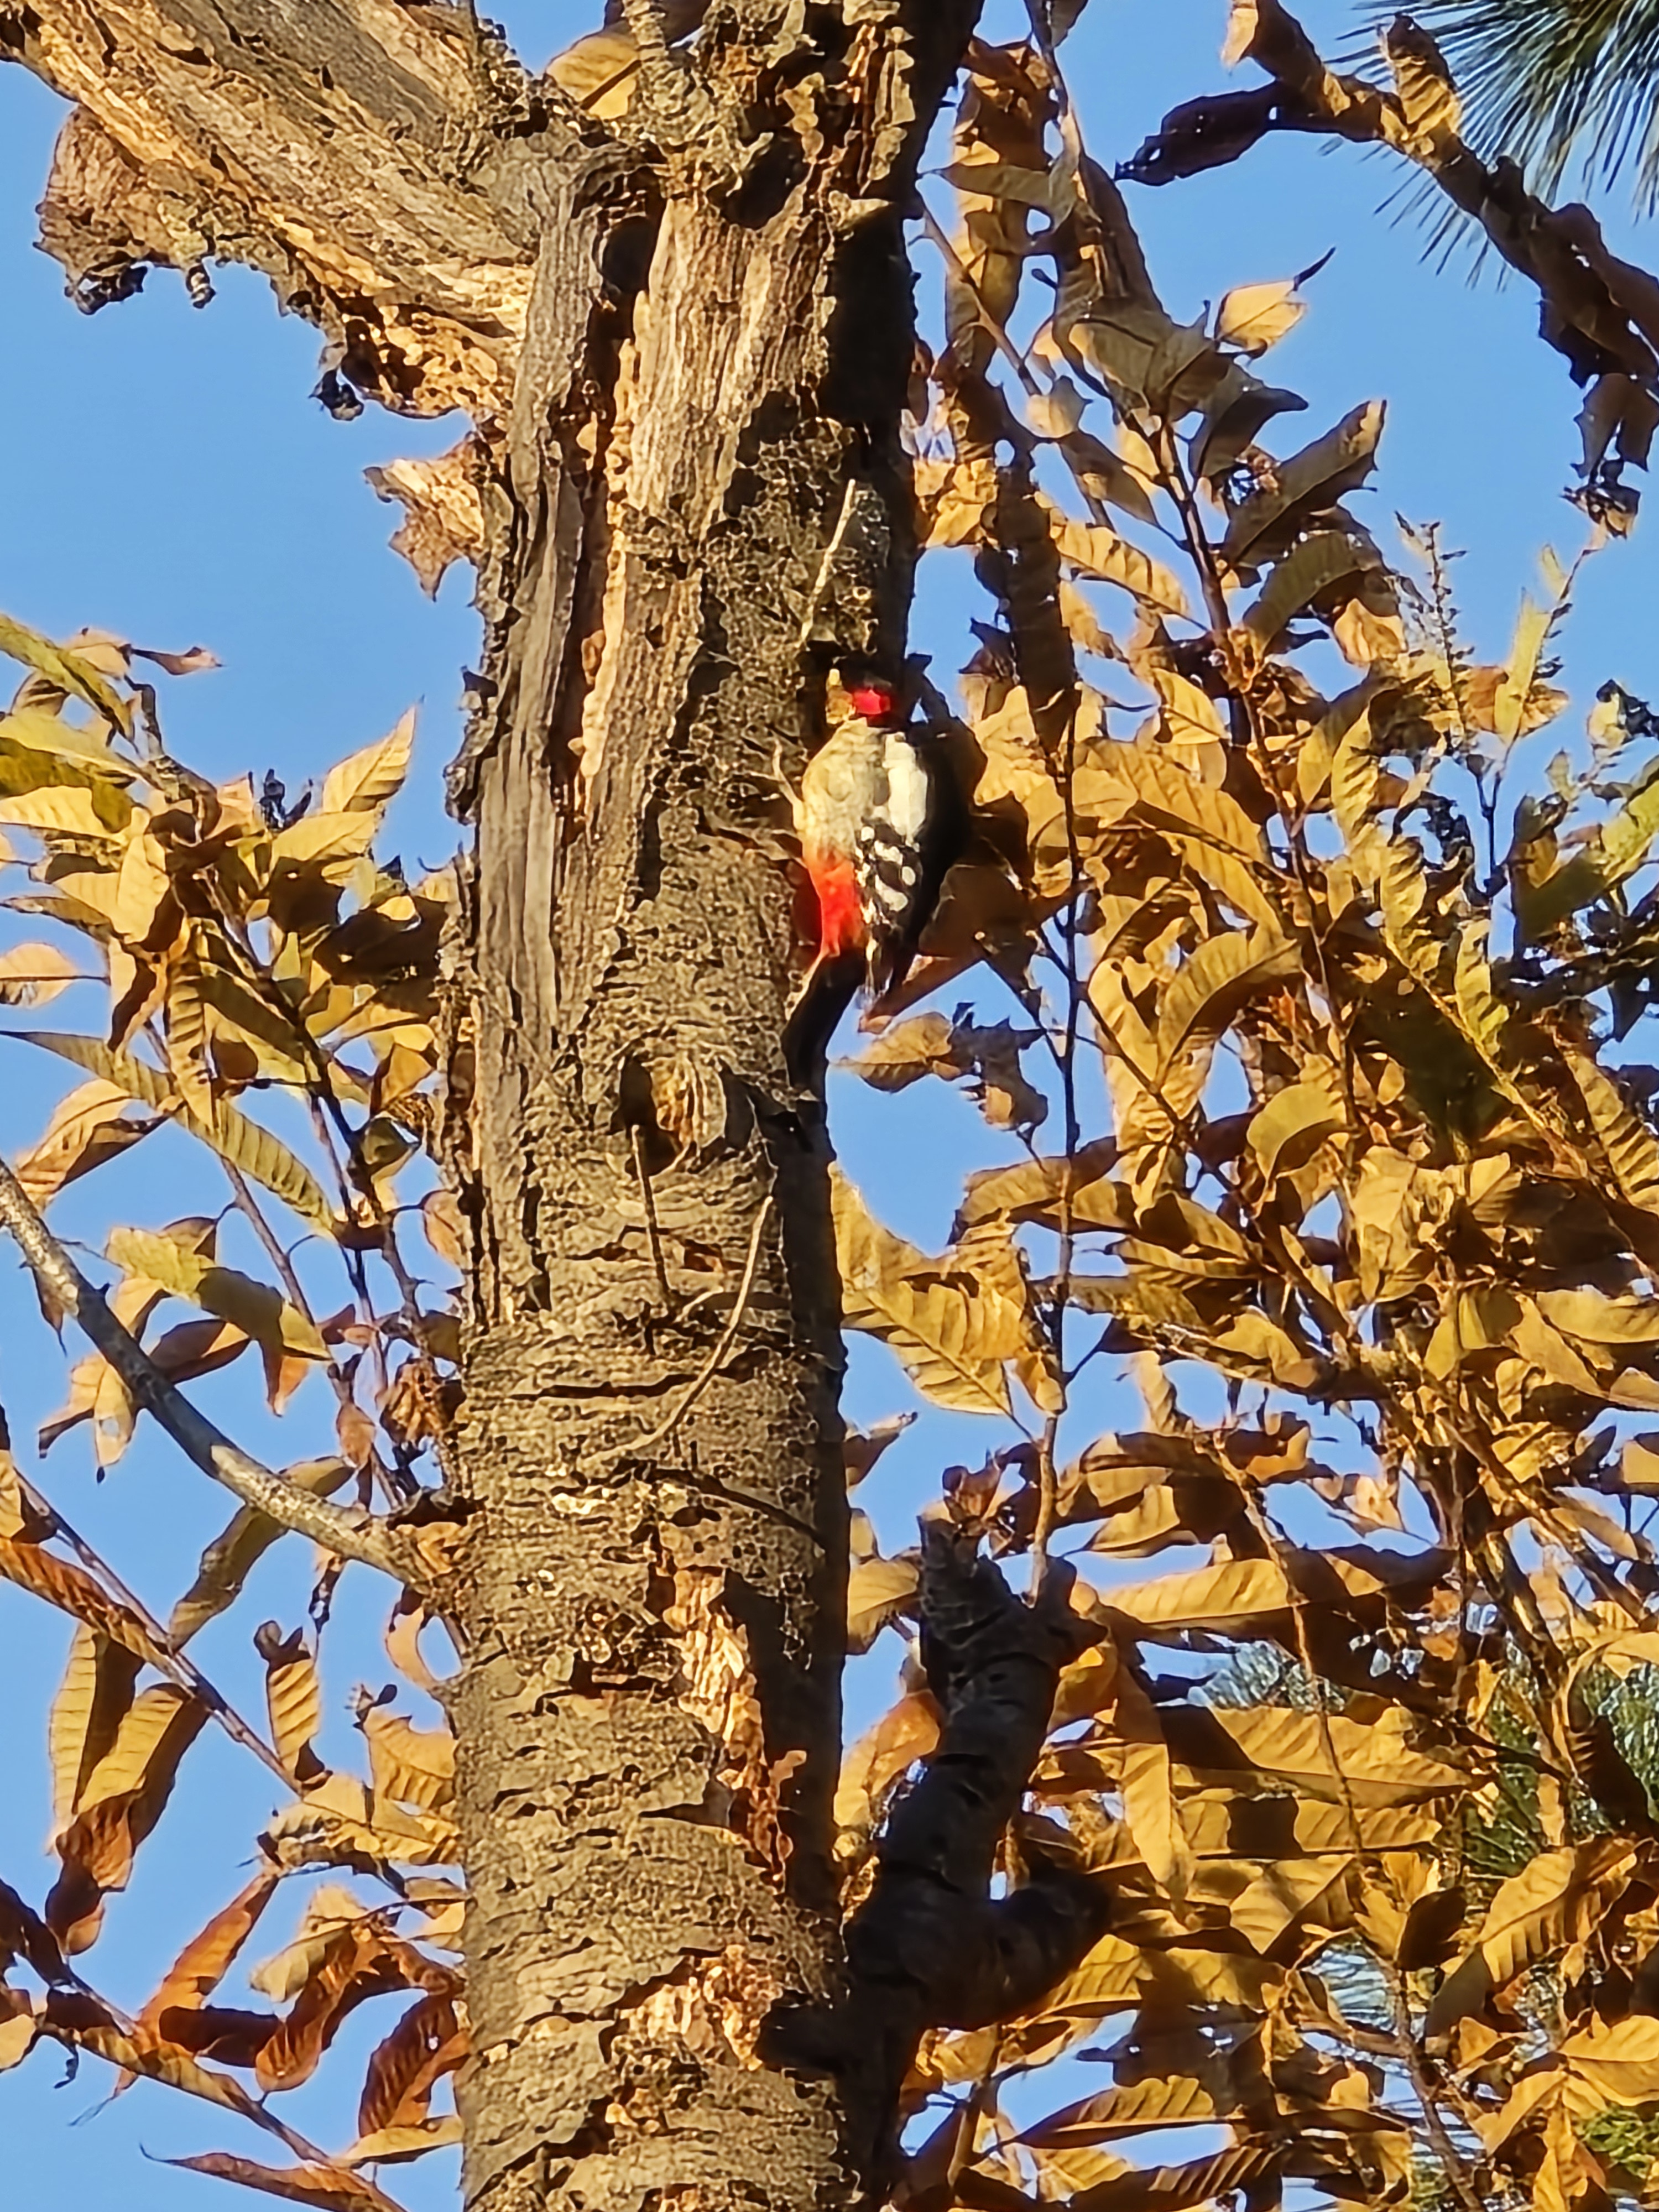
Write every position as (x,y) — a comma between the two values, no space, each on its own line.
(684,339)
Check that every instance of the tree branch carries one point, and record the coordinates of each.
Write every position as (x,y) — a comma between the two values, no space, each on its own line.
(348,1531)
(352,149)
(930,1947)
(1600,313)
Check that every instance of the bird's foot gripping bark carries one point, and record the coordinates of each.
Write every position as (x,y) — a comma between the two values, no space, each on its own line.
(930,1947)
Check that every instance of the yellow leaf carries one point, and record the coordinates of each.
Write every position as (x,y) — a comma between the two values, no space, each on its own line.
(1157,2101)
(1511,706)
(147,1733)
(1602,1320)
(1557,1898)
(143,885)
(878,1590)
(187,1024)
(1166,797)
(318,839)
(1311,568)
(248,1535)
(1237,1594)
(1633,1150)
(255,1308)
(293,1698)
(65,670)
(1048,189)
(30,975)
(1254,317)
(1376,1765)
(414,1766)
(242,1142)
(1619,2062)
(952,1345)
(68,809)
(37,748)
(93,1698)
(388,2146)
(1286,1133)
(599,71)
(72,1591)
(370,778)
(1617,851)
(1210,990)
(1094,551)
(1145,1777)
(86,1128)
(1191,719)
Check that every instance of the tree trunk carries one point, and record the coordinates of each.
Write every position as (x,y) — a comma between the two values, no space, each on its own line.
(694,501)
(651,1717)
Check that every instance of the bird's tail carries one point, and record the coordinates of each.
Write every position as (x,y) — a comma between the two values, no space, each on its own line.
(830,988)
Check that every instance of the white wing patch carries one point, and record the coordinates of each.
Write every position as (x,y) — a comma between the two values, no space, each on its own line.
(907,790)
(886,847)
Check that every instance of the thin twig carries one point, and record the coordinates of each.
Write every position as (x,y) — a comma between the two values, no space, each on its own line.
(348,1531)
(653,1234)
(1098,510)
(398,1489)
(166,1654)
(1066,1054)
(641,1447)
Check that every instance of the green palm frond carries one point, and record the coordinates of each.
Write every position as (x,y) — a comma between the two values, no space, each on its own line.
(1557,84)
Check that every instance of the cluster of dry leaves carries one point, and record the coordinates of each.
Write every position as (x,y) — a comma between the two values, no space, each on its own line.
(1318,1057)
(1322,1120)
(256,956)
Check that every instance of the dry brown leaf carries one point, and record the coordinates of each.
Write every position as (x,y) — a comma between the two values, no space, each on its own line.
(90,1126)
(327,2188)
(414,1766)
(443,514)
(293,1698)
(202,1963)
(121,1799)
(406,2067)
(92,1699)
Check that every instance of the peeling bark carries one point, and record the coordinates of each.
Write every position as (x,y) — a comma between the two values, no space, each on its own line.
(353,150)
(685,349)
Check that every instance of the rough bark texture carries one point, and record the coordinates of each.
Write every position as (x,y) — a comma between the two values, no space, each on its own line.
(651,1723)
(685,345)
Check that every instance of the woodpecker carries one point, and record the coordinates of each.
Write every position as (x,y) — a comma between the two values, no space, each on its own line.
(880,823)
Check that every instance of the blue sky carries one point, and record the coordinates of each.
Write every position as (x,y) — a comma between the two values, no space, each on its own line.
(168,477)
